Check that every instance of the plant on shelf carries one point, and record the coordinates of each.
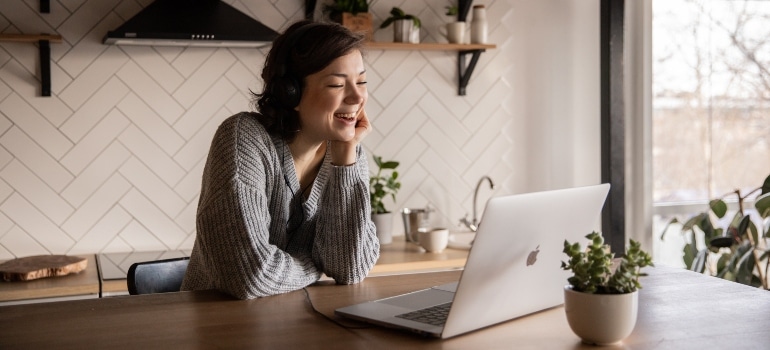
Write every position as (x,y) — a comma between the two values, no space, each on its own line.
(353,14)
(601,297)
(399,14)
(736,253)
(452,9)
(406,27)
(382,185)
(338,7)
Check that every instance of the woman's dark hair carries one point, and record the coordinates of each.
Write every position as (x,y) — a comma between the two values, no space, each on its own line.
(305,48)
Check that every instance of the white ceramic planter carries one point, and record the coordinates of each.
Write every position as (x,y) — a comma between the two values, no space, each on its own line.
(402,30)
(384,225)
(601,319)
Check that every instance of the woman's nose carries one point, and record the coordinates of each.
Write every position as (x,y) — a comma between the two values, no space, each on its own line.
(355,95)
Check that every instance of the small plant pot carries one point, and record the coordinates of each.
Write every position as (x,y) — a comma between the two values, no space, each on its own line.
(384,226)
(359,23)
(402,30)
(601,319)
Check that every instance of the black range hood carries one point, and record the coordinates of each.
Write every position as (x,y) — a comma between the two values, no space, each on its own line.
(209,23)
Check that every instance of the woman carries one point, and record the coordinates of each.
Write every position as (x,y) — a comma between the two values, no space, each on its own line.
(285,194)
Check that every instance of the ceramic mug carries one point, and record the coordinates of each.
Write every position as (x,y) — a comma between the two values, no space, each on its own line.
(454,32)
(434,240)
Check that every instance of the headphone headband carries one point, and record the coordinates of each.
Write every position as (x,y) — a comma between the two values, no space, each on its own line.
(288,91)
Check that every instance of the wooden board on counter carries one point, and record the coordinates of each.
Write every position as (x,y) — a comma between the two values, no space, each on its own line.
(85,282)
(41,266)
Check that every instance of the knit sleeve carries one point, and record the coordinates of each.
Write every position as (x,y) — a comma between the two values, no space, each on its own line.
(346,245)
(239,207)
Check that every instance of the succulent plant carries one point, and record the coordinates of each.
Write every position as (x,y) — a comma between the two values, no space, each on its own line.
(593,268)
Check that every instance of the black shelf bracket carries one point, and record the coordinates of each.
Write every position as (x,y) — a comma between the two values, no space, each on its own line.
(45,67)
(465,71)
(45,6)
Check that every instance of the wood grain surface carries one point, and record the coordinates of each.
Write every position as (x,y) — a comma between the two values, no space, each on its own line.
(41,266)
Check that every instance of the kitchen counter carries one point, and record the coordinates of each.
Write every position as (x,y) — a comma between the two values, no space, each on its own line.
(83,285)
(106,273)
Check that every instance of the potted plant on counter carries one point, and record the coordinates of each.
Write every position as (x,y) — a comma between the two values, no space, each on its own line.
(382,185)
(406,27)
(601,300)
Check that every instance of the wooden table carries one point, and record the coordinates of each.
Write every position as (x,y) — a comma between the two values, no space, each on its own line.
(678,309)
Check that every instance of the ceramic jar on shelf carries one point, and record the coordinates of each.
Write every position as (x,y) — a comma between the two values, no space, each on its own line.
(479,25)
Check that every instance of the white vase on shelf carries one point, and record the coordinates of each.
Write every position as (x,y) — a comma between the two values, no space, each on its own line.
(479,25)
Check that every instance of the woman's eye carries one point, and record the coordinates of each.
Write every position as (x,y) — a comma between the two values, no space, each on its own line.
(361,83)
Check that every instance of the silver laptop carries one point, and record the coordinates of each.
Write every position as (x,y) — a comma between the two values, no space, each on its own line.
(513,268)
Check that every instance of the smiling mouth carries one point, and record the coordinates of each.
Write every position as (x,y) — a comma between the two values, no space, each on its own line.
(346,116)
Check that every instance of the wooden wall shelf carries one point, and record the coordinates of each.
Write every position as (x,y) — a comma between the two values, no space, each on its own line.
(30,38)
(463,50)
(44,41)
(378,45)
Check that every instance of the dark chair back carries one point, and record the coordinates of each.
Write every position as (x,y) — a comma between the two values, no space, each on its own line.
(159,276)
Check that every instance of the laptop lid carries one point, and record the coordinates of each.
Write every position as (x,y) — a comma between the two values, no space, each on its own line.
(513,267)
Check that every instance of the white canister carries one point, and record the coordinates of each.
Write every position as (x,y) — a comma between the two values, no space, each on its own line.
(479,25)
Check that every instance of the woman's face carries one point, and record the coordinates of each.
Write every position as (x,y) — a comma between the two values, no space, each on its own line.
(332,98)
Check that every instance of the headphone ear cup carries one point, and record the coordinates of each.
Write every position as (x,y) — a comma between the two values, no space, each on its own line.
(293,92)
(288,92)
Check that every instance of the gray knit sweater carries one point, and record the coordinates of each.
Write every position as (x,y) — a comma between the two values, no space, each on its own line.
(255,236)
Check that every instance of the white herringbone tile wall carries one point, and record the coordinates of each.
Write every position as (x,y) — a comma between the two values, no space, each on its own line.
(112,161)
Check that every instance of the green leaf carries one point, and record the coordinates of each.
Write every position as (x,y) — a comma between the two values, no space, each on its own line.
(389,165)
(743,226)
(688,255)
(708,229)
(762,204)
(693,221)
(397,12)
(718,207)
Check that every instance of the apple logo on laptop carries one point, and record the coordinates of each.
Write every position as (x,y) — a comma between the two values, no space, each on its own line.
(532,258)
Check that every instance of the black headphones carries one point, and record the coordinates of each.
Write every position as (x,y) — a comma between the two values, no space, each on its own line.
(287,89)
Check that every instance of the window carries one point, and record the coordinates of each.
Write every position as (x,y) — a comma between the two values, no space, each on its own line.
(711,115)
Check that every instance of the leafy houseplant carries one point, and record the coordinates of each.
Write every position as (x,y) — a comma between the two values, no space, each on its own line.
(397,14)
(452,10)
(737,252)
(338,7)
(601,303)
(353,14)
(404,25)
(382,185)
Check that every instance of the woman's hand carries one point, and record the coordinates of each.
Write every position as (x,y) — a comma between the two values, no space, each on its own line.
(344,152)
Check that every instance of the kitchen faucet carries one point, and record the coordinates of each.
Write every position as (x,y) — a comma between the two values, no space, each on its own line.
(474,224)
